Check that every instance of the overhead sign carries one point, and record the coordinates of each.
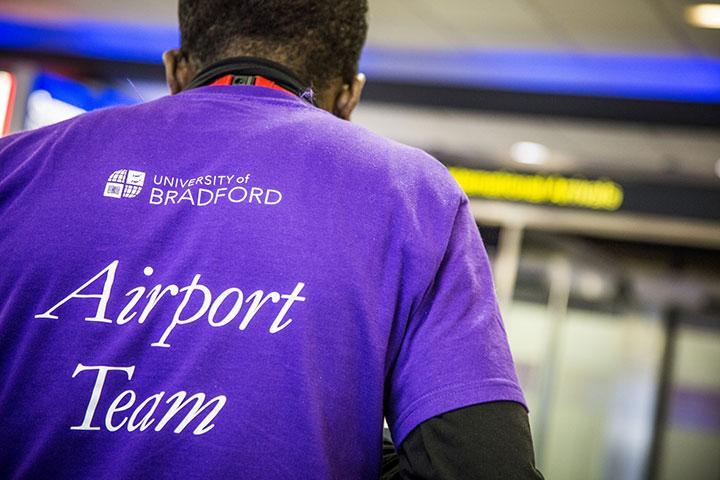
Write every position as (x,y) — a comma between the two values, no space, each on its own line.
(677,200)
(556,190)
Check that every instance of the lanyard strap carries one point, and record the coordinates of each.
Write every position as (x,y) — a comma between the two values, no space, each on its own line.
(255,80)
(253,71)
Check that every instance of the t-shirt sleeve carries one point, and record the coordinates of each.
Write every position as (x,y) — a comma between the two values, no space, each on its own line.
(454,351)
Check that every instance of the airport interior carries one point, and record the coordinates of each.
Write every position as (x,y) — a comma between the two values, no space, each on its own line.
(587,137)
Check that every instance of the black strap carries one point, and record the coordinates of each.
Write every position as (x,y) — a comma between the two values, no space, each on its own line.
(252,66)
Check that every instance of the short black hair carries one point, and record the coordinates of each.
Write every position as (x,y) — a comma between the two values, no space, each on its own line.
(319,40)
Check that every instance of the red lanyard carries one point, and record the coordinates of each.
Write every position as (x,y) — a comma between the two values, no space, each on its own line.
(259,82)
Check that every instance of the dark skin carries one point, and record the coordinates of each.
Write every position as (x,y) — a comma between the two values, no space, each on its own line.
(340,97)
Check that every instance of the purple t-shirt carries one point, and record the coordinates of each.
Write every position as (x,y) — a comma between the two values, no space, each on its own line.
(231,283)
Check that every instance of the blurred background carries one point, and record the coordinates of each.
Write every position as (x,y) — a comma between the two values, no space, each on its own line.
(587,135)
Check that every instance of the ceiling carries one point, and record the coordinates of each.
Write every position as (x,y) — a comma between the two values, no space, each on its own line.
(588,26)
(630,26)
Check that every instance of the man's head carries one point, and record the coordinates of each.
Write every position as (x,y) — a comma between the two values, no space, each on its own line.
(320,40)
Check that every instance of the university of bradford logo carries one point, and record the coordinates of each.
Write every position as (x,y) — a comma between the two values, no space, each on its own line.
(125,184)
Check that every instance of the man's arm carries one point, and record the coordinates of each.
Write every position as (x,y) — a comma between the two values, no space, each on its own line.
(483,441)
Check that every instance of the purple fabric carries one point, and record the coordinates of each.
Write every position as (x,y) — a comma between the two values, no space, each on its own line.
(231,283)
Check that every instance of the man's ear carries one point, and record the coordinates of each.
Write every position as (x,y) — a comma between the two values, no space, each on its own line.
(349,97)
(177,70)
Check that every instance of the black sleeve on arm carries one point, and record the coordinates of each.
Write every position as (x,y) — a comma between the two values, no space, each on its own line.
(479,442)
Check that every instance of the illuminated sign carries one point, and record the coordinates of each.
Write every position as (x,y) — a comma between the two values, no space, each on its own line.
(540,189)
(7,99)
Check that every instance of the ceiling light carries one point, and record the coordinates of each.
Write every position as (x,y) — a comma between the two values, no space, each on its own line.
(703,15)
(530,153)
(591,286)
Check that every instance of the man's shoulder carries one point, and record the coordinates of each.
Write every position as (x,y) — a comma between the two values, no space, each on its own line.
(366,152)
(68,135)
(82,121)
(338,146)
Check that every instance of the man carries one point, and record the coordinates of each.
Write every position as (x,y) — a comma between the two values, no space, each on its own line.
(236,282)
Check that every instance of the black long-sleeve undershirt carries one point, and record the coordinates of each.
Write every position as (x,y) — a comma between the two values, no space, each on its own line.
(486,441)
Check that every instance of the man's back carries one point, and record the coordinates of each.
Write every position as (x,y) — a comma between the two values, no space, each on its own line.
(231,282)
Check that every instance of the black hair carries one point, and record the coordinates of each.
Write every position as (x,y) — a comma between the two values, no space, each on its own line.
(319,40)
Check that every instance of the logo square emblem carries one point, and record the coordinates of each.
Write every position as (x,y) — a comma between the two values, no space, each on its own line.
(124,184)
